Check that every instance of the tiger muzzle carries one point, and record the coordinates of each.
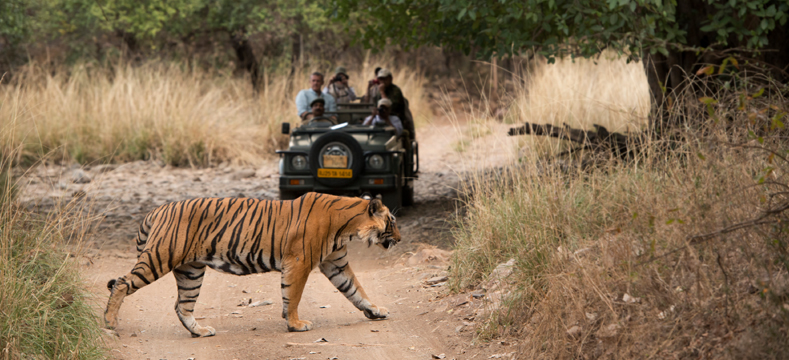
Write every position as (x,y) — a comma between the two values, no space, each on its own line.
(389,242)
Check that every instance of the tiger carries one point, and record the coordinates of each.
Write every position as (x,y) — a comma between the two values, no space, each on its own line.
(244,236)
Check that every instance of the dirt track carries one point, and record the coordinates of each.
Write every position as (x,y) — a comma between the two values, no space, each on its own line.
(424,320)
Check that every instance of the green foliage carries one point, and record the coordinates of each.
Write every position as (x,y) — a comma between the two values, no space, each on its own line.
(23,21)
(556,27)
(147,18)
(91,29)
(13,22)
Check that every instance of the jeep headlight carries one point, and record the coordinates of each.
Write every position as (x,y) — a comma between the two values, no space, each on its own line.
(376,161)
(299,162)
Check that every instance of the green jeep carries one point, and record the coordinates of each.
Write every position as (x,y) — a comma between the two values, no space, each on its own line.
(343,157)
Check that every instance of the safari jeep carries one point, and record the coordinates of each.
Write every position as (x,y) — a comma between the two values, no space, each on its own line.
(347,158)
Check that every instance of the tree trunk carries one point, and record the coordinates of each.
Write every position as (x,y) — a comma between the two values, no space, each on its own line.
(779,60)
(296,60)
(245,56)
(132,46)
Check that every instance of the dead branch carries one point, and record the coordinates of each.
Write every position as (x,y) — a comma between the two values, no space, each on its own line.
(763,219)
(598,139)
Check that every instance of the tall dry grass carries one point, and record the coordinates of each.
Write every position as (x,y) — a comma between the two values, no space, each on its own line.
(606,91)
(167,112)
(673,253)
(46,311)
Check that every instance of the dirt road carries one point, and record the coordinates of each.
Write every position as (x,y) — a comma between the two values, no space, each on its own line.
(424,320)
(149,328)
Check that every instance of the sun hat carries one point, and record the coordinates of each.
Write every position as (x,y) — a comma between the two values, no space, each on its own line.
(383,73)
(341,70)
(385,102)
(318,100)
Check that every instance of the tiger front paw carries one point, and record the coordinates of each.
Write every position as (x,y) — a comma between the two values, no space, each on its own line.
(110,323)
(299,325)
(203,331)
(376,312)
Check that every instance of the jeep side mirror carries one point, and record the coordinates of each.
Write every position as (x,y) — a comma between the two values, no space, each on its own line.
(286,128)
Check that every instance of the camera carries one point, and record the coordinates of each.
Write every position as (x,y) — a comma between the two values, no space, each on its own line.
(376,81)
(336,78)
(382,108)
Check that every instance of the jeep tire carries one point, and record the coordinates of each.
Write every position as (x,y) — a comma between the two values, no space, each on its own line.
(357,157)
(408,194)
(288,195)
(393,199)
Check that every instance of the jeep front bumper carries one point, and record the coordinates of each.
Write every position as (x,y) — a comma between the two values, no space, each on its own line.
(305,183)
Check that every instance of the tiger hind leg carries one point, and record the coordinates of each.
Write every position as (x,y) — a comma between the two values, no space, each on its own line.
(140,276)
(189,278)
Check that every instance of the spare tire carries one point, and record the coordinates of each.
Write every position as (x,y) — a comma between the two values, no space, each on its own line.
(339,143)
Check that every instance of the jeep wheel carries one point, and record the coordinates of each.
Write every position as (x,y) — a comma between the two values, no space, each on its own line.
(408,194)
(393,199)
(288,195)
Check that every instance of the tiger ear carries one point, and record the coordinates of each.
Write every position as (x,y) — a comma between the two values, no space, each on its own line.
(374,207)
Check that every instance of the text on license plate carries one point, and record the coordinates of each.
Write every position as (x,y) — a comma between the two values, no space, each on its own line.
(335,161)
(335,173)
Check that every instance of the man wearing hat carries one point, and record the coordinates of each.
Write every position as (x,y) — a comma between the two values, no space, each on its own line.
(392,92)
(338,87)
(383,118)
(318,110)
(305,97)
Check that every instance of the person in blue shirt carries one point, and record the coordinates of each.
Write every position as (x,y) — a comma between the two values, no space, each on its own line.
(306,96)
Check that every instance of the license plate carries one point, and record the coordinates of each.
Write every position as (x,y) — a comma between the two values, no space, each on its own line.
(335,161)
(335,173)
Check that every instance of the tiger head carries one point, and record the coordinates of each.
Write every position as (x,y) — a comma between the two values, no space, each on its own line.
(380,227)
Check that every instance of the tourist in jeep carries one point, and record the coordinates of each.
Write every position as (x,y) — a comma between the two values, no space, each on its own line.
(338,87)
(305,97)
(388,90)
(372,87)
(318,111)
(382,117)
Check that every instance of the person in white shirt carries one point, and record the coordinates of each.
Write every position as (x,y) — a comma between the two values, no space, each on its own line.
(384,118)
(338,87)
(306,96)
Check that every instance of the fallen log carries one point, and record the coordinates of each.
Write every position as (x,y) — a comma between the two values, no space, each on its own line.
(598,139)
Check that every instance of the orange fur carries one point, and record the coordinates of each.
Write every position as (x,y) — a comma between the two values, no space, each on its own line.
(244,236)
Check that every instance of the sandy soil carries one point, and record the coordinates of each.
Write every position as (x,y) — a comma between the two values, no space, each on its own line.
(424,320)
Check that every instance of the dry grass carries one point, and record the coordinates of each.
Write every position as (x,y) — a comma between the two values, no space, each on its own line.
(165,112)
(606,91)
(45,310)
(582,239)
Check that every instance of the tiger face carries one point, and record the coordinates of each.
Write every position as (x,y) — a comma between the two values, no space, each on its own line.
(382,230)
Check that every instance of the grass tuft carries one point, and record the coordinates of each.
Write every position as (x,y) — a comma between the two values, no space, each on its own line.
(45,310)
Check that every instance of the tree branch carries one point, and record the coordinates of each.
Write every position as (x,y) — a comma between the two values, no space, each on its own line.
(696,239)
